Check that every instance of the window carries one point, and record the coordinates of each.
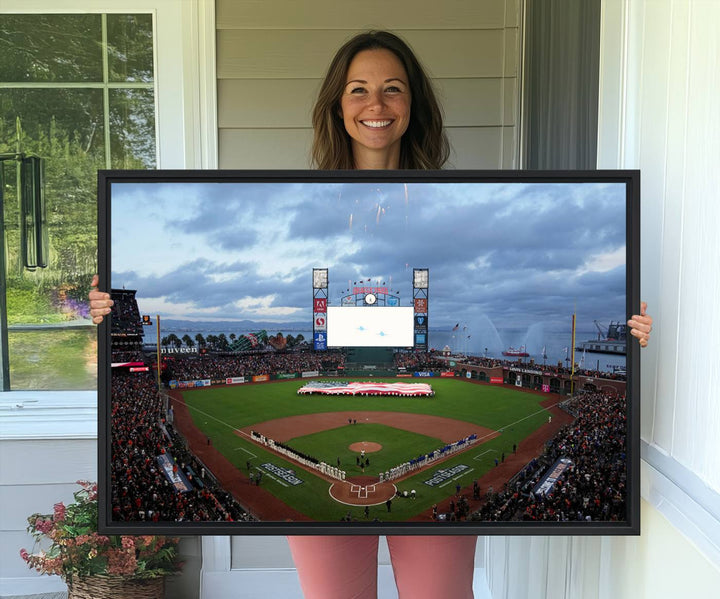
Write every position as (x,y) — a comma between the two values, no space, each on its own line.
(78,91)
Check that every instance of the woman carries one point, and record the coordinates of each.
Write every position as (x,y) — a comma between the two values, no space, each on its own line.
(377,110)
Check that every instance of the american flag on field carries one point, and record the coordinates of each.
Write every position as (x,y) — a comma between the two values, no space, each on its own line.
(369,388)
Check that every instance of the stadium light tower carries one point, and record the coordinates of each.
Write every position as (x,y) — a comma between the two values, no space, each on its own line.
(320,302)
(421,287)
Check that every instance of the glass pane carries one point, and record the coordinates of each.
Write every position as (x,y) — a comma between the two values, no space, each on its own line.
(50,118)
(55,359)
(65,128)
(132,128)
(50,48)
(130,47)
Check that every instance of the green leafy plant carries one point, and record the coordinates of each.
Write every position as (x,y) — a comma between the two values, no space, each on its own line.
(77,550)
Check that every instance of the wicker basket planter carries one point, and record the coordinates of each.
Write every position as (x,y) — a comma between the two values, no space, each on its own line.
(116,587)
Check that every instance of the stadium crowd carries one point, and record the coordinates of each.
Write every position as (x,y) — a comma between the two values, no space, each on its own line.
(557,369)
(220,367)
(418,361)
(592,488)
(139,488)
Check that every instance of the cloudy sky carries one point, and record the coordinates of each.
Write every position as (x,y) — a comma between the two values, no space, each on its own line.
(516,254)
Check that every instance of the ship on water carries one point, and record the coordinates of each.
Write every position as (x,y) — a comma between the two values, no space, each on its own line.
(516,353)
(612,340)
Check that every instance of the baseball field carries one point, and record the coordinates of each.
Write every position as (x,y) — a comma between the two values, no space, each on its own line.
(383,431)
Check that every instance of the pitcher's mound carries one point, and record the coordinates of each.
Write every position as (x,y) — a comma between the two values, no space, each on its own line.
(368,446)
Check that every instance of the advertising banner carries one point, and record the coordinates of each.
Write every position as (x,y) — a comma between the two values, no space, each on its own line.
(173,384)
(260,378)
(320,321)
(347,300)
(320,304)
(320,341)
(423,374)
(287,375)
(546,388)
(551,477)
(393,301)
(518,382)
(236,380)
(175,476)
(420,338)
(468,375)
(178,350)
(310,373)
(448,374)
(421,305)
(496,380)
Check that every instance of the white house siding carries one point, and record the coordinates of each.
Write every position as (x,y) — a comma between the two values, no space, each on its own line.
(659,85)
(271,57)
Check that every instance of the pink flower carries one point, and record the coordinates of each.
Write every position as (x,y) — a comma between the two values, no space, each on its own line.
(24,555)
(121,562)
(59,512)
(128,543)
(44,526)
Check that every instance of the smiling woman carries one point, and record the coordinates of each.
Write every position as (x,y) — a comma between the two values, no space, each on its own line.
(375,108)
(372,83)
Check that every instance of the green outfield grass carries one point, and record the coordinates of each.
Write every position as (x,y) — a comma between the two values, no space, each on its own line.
(219,411)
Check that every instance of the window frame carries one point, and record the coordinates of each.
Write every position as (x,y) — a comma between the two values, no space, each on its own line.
(185,129)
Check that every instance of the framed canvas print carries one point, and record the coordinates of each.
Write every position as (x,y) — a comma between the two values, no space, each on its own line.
(367,352)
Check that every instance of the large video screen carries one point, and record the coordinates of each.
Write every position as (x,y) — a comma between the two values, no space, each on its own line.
(381,326)
(369,352)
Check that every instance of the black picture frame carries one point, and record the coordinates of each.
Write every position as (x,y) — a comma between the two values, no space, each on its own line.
(626,186)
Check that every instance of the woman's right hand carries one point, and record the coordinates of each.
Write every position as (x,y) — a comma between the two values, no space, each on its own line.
(100,302)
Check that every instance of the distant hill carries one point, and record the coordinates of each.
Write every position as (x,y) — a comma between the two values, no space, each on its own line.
(234,325)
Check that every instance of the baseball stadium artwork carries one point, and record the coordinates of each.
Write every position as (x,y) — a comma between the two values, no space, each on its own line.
(401,352)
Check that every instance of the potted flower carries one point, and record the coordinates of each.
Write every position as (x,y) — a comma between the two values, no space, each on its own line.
(95,565)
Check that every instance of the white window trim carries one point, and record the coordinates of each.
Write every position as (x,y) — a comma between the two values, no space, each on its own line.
(683,498)
(689,504)
(185,86)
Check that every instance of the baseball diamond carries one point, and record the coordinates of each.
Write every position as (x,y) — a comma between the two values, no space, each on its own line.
(353,454)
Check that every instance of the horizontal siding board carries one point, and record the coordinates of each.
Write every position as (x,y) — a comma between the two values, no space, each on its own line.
(50,461)
(282,54)
(512,13)
(265,148)
(370,14)
(471,102)
(471,147)
(260,103)
(510,109)
(510,148)
(474,147)
(11,564)
(19,501)
(274,103)
(512,52)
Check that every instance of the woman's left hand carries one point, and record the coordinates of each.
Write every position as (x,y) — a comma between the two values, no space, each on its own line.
(641,325)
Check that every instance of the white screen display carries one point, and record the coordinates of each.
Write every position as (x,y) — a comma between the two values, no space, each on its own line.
(376,326)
